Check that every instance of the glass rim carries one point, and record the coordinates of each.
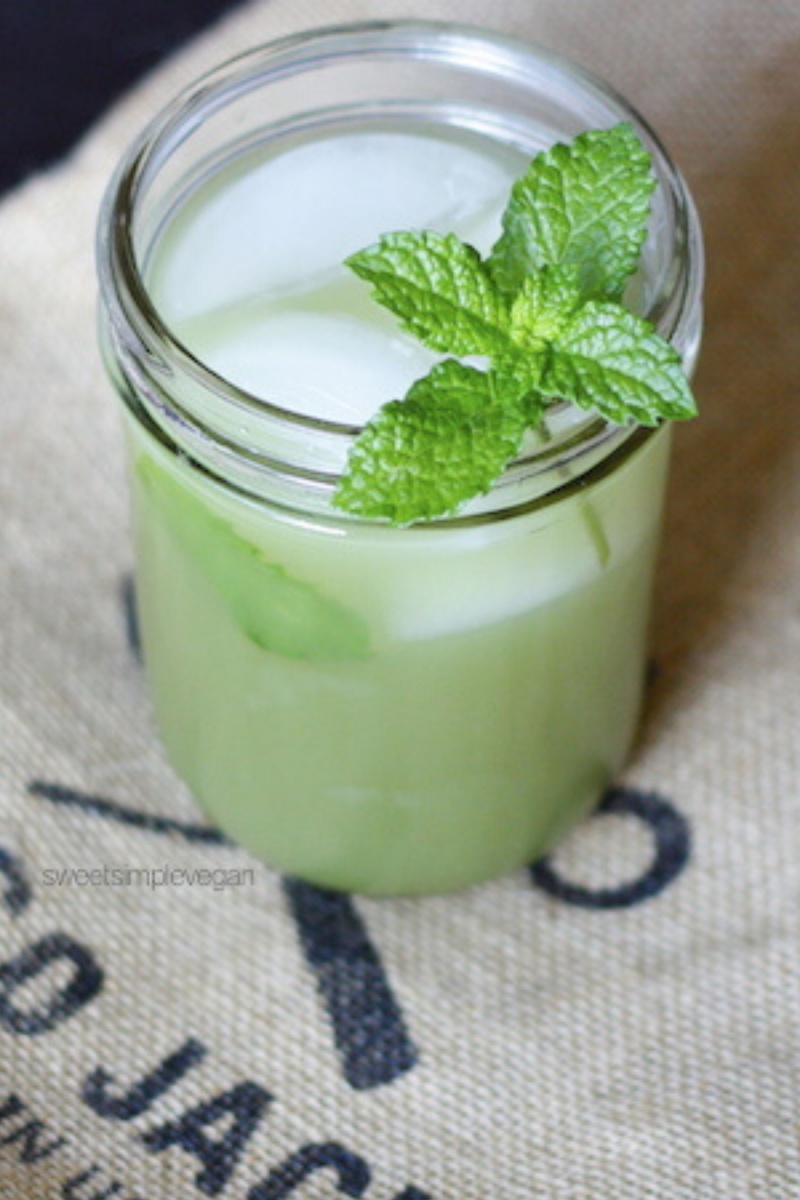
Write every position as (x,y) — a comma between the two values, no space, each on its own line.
(123,288)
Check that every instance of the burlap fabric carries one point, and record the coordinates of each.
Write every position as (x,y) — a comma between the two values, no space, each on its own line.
(621,1023)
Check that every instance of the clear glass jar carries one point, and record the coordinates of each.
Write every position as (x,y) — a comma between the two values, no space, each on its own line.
(378,709)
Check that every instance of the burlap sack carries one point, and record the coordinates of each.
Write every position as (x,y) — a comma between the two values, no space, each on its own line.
(621,1023)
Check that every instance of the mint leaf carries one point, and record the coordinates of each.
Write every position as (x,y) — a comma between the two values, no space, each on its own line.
(586,204)
(612,361)
(440,290)
(275,611)
(543,306)
(518,379)
(423,456)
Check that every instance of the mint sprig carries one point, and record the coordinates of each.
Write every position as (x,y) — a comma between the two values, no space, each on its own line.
(544,309)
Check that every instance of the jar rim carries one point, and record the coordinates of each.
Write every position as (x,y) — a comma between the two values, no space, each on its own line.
(137,326)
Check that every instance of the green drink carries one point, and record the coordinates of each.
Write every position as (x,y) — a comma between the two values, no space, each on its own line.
(379,709)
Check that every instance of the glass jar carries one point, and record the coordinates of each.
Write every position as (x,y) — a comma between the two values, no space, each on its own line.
(371,708)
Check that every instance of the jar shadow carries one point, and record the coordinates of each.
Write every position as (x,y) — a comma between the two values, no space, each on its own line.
(727,548)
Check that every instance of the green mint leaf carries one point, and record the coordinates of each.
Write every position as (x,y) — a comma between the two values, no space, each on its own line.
(421,457)
(275,611)
(585,203)
(440,290)
(611,361)
(543,306)
(517,380)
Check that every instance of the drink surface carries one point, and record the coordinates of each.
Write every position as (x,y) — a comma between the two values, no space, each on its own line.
(386,710)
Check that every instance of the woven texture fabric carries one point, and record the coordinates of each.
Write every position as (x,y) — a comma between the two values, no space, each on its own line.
(619,1023)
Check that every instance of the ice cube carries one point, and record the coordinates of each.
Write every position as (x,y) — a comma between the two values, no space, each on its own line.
(499,579)
(335,367)
(285,225)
